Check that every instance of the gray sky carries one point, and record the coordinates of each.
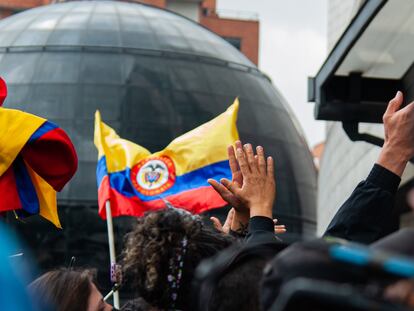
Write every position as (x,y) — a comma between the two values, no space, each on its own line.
(293,46)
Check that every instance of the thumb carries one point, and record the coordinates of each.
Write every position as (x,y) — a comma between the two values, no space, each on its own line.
(395,103)
(216,223)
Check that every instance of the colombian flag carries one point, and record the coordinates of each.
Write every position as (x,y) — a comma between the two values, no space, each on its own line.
(37,159)
(136,181)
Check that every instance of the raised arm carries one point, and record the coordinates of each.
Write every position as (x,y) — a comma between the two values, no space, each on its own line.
(368,214)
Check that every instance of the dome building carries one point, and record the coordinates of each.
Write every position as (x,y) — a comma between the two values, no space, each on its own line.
(153,75)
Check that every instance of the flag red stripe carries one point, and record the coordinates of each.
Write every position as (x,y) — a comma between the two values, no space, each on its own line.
(124,206)
(52,157)
(9,198)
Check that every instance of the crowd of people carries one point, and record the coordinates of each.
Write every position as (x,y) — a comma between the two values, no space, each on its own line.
(177,261)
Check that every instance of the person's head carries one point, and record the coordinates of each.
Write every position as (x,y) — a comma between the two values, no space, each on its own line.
(138,304)
(238,289)
(231,279)
(162,253)
(67,290)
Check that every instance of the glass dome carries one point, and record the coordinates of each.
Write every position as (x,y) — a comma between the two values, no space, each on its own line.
(109,24)
(153,75)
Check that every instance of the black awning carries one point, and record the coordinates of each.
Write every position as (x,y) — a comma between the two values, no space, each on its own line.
(370,62)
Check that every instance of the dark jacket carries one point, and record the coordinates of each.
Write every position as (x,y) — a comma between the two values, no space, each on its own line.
(365,217)
(368,214)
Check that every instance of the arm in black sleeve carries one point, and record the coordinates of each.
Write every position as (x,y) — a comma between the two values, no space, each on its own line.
(368,214)
(261,230)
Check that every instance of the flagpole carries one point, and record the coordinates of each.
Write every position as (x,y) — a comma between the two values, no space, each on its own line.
(111,242)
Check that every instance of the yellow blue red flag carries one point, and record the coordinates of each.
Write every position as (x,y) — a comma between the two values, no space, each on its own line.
(37,159)
(136,181)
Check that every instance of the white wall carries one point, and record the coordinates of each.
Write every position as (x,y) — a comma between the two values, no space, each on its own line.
(343,165)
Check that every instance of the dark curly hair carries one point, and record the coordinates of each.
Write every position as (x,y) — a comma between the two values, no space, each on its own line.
(156,238)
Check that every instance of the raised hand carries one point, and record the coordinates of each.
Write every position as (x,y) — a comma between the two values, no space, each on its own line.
(226,227)
(227,224)
(398,146)
(258,190)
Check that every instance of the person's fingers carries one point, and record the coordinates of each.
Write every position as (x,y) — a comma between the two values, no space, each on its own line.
(395,103)
(280,229)
(238,144)
(261,162)
(275,221)
(213,182)
(409,108)
(229,185)
(241,159)
(270,167)
(248,151)
(216,223)
(234,167)
(229,219)
(222,190)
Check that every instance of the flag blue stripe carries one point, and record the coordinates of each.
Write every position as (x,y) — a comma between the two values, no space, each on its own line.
(25,188)
(121,182)
(43,129)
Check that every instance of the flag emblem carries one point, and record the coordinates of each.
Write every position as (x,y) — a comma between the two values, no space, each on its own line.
(153,175)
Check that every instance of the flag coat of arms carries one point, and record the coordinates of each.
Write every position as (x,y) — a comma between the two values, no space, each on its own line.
(37,159)
(135,180)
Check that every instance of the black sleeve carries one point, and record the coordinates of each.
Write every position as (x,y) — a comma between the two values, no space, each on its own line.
(368,214)
(261,230)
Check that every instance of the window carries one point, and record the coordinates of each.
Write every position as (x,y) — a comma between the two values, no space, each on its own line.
(236,42)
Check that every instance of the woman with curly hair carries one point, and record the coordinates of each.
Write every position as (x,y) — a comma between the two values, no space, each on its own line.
(162,253)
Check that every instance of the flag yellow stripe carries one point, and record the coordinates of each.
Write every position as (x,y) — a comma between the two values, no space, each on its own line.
(120,153)
(16,127)
(205,145)
(47,198)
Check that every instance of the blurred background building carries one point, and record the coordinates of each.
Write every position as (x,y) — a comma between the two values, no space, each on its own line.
(371,57)
(154,75)
(241,29)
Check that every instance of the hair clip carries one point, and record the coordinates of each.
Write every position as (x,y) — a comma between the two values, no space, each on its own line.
(72,263)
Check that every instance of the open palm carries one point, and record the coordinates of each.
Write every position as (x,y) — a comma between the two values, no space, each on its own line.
(236,179)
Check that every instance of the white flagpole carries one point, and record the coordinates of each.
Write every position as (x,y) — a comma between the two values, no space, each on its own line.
(111,242)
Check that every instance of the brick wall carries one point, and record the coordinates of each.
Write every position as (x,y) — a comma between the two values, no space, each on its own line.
(22,4)
(157,3)
(209,4)
(248,31)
